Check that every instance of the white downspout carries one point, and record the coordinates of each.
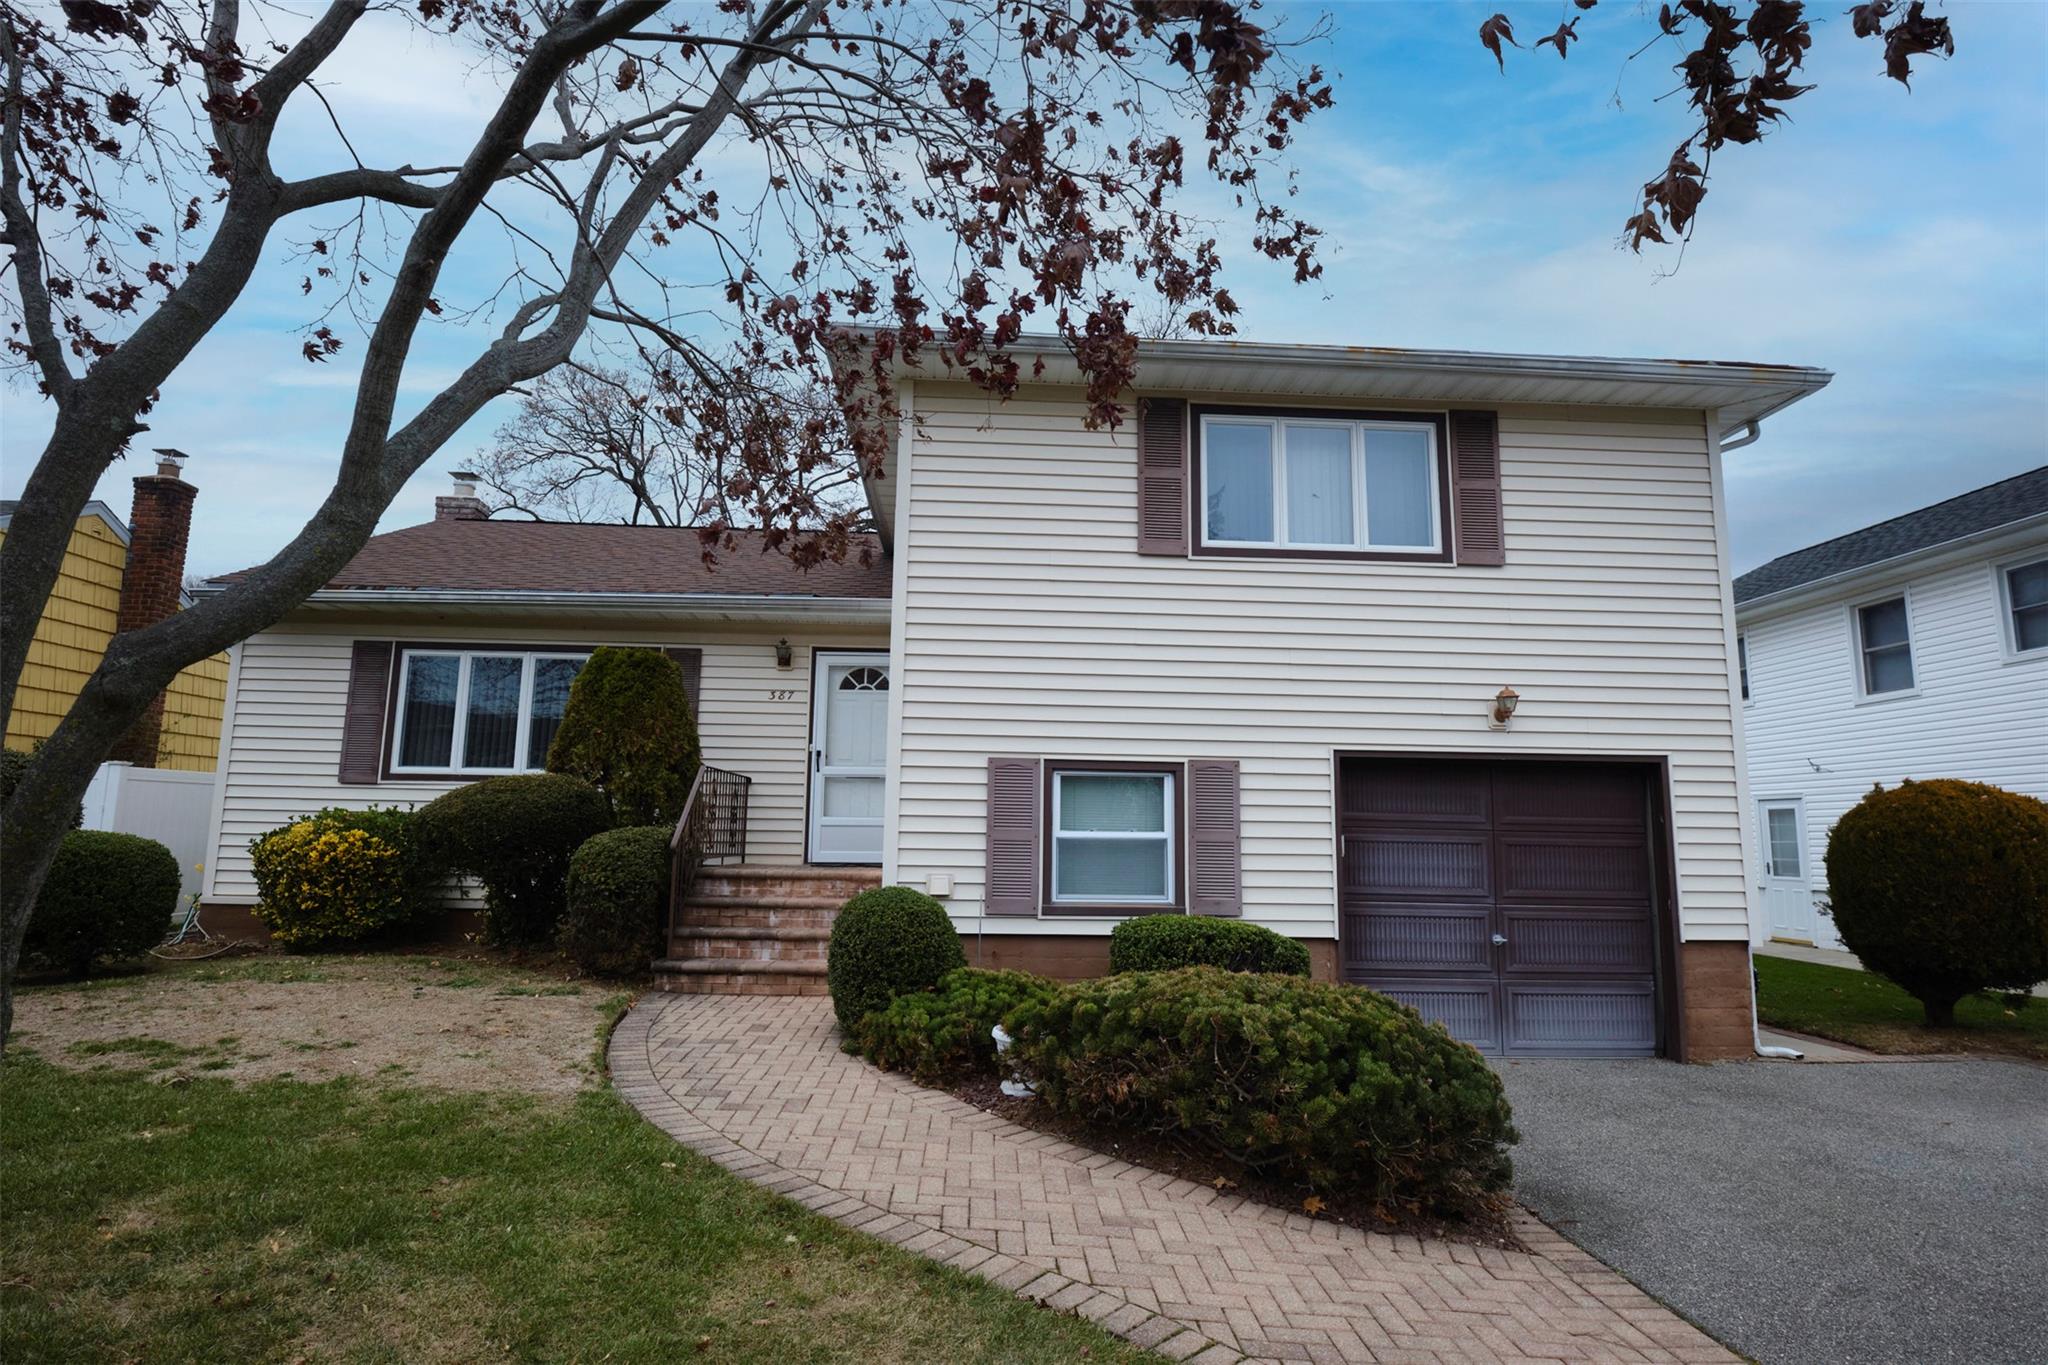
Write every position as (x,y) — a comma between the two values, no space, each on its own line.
(1756,1034)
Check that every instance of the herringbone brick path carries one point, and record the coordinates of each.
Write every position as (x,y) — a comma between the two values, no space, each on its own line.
(760,1086)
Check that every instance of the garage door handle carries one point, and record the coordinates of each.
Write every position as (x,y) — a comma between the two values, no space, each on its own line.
(1500,940)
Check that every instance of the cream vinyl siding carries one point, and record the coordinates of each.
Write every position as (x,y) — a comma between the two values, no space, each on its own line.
(1030,625)
(1976,713)
(282,742)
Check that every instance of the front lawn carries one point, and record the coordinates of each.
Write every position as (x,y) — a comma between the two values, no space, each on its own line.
(158,1210)
(1870,1012)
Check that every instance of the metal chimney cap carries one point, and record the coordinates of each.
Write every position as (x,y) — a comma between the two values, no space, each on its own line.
(170,461)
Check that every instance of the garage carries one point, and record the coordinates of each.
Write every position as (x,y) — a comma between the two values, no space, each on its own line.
(1517,902)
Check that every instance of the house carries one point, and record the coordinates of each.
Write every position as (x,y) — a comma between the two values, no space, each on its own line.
(1915,648)
(1425,658)
(119,577)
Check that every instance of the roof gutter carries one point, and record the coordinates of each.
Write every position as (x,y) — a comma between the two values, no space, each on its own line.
(731,605)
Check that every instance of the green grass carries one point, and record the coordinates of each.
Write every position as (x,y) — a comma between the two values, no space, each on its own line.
(286,1220)
(1870,1012)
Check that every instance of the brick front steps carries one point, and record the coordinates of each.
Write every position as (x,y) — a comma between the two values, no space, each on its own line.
(758,930)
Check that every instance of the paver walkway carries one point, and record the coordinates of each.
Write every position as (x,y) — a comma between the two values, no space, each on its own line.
(759,1085)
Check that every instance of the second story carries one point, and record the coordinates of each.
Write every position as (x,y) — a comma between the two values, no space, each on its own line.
(1917,647)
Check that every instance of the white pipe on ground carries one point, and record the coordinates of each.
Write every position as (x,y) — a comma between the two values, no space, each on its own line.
(1756,1034)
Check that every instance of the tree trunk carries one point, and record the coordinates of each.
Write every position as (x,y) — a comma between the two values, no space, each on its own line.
(1941,1013)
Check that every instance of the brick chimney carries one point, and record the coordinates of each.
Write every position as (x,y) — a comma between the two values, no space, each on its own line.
(159,526)
(465,505)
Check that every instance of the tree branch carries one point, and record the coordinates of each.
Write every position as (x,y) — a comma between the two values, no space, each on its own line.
(37,318)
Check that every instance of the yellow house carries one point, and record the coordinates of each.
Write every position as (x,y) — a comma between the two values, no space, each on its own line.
(81,617)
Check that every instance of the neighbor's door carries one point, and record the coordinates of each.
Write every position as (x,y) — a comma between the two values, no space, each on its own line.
(849,755)
(1788,901)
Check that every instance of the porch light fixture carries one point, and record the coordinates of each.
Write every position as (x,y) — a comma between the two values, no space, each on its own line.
(784,656)
(1504,703)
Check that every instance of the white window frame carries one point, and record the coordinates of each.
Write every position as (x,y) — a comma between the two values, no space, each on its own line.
(1172,838)
(1359,544)
(1903,595)
(459,741)
(2008,624)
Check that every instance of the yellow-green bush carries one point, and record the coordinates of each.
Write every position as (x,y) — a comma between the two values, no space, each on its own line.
(323,881)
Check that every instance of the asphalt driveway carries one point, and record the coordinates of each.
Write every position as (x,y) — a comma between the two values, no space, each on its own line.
(1806,1213)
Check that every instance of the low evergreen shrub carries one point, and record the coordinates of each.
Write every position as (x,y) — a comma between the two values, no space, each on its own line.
(1335,1087)
(1160,943)
(944,1034)
(515,835)
(885,943)
(340,876)
(618,900)
(108,897)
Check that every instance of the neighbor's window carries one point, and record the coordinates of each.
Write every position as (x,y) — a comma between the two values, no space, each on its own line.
(1319,484)
(479,710)
(1886,647)
(1113,837)
(2026,599)
(1742,662)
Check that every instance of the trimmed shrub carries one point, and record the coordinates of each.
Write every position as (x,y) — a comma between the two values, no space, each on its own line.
(14,763)
(885,943)
(618,898)
(515,835)
(340,876)
(628,731)
(1942,887)
(1336,1087)
(1159,943)
(944,1034)
(108,897)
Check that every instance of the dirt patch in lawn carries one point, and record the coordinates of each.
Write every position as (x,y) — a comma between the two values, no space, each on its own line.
(454,1022)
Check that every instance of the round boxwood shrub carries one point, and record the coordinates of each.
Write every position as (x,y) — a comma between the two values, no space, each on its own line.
(628,731)
(885,943)
(618,900)
(1942,887)
(1158,943)
(1335,1087)
(515,835)
(108,897)
(944,1034)
(340,876)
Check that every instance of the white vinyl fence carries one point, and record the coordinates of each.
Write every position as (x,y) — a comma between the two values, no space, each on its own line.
(173,808)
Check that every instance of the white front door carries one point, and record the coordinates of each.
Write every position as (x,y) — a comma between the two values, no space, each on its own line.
(1788,900)
(849,755)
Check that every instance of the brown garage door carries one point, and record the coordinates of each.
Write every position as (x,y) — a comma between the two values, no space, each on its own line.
(1512,901)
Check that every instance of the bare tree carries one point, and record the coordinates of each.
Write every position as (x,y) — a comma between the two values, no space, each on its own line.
(595,444)
(1032,151)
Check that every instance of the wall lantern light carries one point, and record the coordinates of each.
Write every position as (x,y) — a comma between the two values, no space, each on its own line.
(783,655)
(1504,703)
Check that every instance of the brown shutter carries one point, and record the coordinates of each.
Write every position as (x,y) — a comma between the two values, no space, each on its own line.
(1215,865)
(1475,488)
(691,661)
(362,720)
(1163,476)
(1012,886)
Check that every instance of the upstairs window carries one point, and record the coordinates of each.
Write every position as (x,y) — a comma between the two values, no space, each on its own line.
(479,710)
(1884,643)
(2026,604)
(1320,485)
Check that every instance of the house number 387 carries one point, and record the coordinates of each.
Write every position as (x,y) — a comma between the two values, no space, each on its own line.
(781,693)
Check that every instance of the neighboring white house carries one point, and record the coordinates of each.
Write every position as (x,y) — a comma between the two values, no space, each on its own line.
(1238,656)
(1915,648)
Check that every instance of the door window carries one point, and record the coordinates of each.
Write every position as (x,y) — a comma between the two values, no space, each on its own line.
(1781,829)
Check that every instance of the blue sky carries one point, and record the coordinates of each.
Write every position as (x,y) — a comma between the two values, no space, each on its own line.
(1899,239)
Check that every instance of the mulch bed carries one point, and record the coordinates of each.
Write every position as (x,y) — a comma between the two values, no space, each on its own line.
(1160,1152)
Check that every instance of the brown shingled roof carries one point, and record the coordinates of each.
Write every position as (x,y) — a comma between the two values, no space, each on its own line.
(554,556)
